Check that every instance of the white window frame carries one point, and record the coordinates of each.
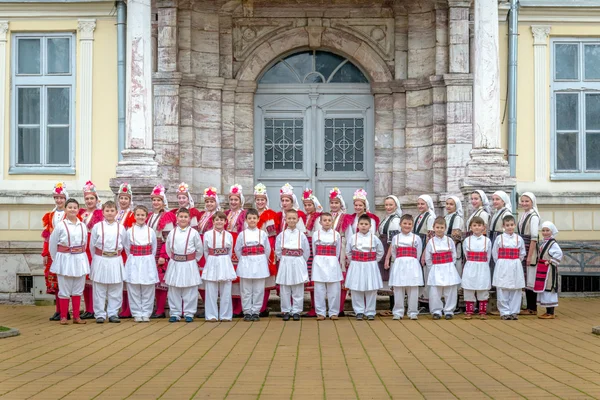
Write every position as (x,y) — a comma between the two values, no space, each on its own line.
(582,87)
(44,82)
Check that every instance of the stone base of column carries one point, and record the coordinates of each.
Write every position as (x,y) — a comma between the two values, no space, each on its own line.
(487,170)
(137,163)
(141,187)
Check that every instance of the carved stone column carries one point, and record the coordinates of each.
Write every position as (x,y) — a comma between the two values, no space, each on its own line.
(458,27)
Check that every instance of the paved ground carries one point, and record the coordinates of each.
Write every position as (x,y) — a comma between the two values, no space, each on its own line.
(276,360)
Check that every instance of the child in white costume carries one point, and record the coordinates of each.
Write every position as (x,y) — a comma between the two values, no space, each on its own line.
(406,273)
(107,270)
(141,273)
(293,251)
(443,279)
(67,249)
(184,248)
(326,268)
(423,226)
(218,271)
(547,270)
(364,250)
(253,250)
(476,278)
(508,253)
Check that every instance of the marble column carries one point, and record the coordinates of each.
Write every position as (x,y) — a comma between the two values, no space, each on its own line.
(458,27)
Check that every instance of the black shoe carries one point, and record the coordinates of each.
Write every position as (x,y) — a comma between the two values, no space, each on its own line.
(125,316)
(247,317)
(286,316)
(114,320)
(255,318)
(279,315)
(264,314)
(437,316)
(55,317)
(449,316)
(341,314)
(371,317)
(100,320)
(87,315)
(359,317)
(158,316)
(296,317)
(200,314)
(240,315)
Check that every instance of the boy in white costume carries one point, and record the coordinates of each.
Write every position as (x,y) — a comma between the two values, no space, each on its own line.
(508,253)
(293,251)
(218,271)
(423,226)
(253,249)
(476,278)
(406,273)
(184,248)
(443,279)
(546,285)
(326,268)
(141,274)
(107,267)
(70,263)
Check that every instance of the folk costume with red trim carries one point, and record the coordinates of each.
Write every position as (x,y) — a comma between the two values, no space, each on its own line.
(235,225)
(154,222)
(349,219)
(49,221)
(268,222)
(287,190)
(125,218)
(312,225)
(205,221)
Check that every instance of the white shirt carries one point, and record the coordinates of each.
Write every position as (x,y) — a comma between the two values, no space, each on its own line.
(176,242)
(214,239)
(113,234)
(66,230)
(407,240)
(292,239)
(365,243)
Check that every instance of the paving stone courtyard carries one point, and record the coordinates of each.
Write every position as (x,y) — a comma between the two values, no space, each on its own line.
(529,358)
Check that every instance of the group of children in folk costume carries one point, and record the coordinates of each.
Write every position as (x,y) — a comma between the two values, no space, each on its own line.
(291,249)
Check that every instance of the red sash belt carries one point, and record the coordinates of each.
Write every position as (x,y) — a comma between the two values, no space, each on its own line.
(72,250)
(139,251)
(292,252)
(271,230)
(406,252)
(218,252)
(109,254)
(443,257)
(256,250)
(184,257)
(364,256)
(477,256)
(508,253)
(541,274)
(326,250)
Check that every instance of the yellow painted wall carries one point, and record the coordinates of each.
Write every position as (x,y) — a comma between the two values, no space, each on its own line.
(104,102)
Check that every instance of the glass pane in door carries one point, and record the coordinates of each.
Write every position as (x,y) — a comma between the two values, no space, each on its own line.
(344,144)
(284,143)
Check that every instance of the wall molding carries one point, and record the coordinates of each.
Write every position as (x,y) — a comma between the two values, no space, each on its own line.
(540,89)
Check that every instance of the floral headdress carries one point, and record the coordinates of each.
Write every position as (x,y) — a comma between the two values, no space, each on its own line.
(60,189)
(159,191)
(125,189)
(211,193)
(236,190)
(336,193)
(308,195)
(184,189)
(90,188)
(361,194)
(287,190)
(261,190)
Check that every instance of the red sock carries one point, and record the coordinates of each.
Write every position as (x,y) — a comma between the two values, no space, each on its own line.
(265,300)
(236,305)
(64,308)
(57,300)
(88,299)
(125,311)
(76,304)
(343,299)
(161,301)
(202,295)
(470,307)
(312,312)
(483,307)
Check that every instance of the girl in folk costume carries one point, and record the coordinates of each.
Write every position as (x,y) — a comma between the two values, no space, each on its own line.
(327,271)
(476,278)
(481,209)
(406,274)
(508,252)
(159,207)
(126,219)
(546,281)
(443,278)
(268,222)
(218,270)
(337,209)
(292,251)
(527,228)
(455,224)
(289,201)
(423,226)
(108,272)
(235,225)
(50,221)
(502,207)
(90,215)
(253,249)
(184,248)
(205,223)
(361,207)
(389,227)
(141,274)
(184,200)
(364,250)
(313,210)
(67,248)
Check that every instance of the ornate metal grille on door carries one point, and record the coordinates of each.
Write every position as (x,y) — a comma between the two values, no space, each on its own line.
(284,143)
(344,144)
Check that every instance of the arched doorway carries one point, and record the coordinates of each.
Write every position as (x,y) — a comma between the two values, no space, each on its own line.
(313,125)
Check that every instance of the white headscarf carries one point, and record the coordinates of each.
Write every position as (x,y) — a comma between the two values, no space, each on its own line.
(308,195)
(237,190)
(336,193)
(261,190)
(505,198)
(427,199)
(184,189)
(484,200)
(211,193)
(287,190)
(398,211)
(550,226)
(533,201)
(361,195)
(60,189)
(459,207)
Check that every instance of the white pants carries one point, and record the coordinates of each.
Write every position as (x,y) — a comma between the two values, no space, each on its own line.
(450,294)
(413,301)
(424,290)
(331,290)
(292,298)
(252,292)
(141,299)
(482,295)
(110,295)
(364,302)
(213,290)
(70,286)
(509,300)
(186,295)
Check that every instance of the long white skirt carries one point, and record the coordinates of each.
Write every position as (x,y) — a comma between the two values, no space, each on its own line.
(508,274)
(443,275)
(406,272)
(183,274)
(68,264)
(292,271)
(141,270)
(363,276)
(253,267)
(218,269)
(326,269)
(476,276)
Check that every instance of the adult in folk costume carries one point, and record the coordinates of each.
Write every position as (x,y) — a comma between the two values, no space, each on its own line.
(546,277)
(289,201)
(361,206)
(528,227)
(481,209)
(236,217)
(269,223)
(126,219)
(389,227)
(90,216)
(160,205)
(313,209)
(337,209)
(423,226)
(49,221)
(205,223)
(502,207)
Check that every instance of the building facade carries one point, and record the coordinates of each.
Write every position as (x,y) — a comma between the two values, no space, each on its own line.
(401,97)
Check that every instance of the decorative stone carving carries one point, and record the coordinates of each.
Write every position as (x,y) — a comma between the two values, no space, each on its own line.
(86,28)
(540,34)
(248,33)
(377,32)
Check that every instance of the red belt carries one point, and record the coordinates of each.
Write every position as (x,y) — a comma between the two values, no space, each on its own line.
(406,252)
(326,250)
(72,250)
(292,252)
(253,250)
(508,253)
(444,257)
(184,257)
(139,251)
(218,252)
(363,256)
(99,252)
(477,256)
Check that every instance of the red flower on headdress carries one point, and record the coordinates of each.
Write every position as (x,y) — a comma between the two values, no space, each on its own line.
(211,193)
(234,190)
(332,195)
(124,190)
(59,190)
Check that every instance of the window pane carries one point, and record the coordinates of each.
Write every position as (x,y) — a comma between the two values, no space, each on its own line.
(592,112)
(344,144)
(592,61)
(58,145)
(566,60)
(28,61)
(302,63)
(28,146)
(28,106)
(566,151)
(592,151)
(348,73)
(284,143)
(58,106)
(566,111)
(279,73)
(59,55)
(326,63)
(313,78)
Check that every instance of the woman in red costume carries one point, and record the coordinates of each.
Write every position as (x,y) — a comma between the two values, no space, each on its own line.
(205,223)
(159,206)
(235,224)
(126,219)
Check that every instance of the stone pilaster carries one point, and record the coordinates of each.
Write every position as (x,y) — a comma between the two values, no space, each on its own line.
(458,31)
(244,134)
(166,125)
(186,128)
(167,36)
(401,41)
(441,37)
(228,134)
(205,39)
(540,99)
(399,142)
(184,31)
(438,152)
(384,141)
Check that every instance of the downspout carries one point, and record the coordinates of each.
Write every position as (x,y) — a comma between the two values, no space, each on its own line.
(121,71)
(513,38)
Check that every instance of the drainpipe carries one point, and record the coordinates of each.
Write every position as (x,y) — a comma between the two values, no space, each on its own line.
(513,38)
(121,71)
